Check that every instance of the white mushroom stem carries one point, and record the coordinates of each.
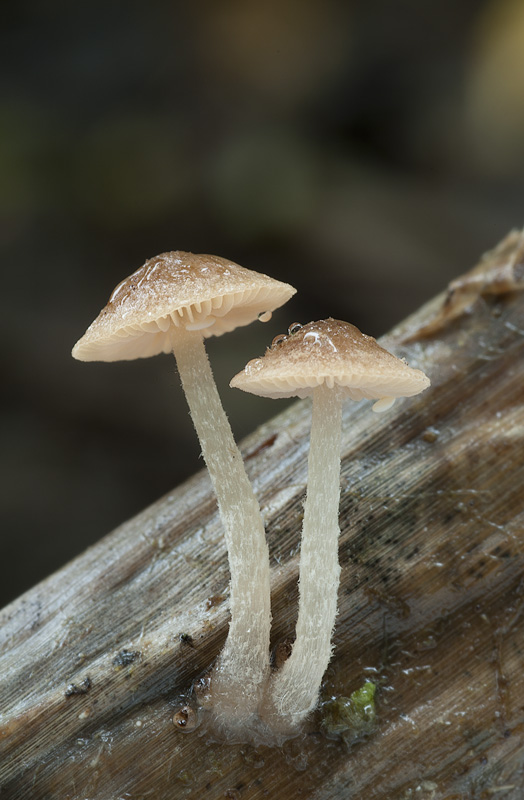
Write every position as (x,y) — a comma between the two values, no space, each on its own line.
(293,692)
(242,668)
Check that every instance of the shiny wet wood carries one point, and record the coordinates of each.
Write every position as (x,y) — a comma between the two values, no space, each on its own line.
(97,659)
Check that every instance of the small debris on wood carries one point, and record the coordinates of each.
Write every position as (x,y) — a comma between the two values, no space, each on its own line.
(281,653)
(214,600)
(185,719)
(126,657)
(264,446)
(430,435)
(81,688)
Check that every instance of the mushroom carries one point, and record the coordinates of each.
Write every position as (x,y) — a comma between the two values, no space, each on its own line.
(329,360)
(172,303)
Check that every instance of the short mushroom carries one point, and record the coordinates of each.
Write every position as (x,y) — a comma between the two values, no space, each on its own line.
(172,303)
(329,360)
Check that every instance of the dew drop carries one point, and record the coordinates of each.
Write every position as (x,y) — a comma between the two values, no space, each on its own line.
(265,316)
(294,328)
(278,340)
(312,337)
(383,404)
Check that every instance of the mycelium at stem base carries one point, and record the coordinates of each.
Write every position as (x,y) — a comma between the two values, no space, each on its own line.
(241,671)
(293,691)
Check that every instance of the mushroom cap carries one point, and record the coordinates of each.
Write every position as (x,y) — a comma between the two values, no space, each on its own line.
(334,353)
(182,290)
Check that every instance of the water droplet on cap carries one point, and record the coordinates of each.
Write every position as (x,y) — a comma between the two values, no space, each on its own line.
(312,337)
(278,339)
(383,404)
(294,328)
(265,316)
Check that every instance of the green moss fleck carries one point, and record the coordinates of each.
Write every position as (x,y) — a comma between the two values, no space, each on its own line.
(350,718)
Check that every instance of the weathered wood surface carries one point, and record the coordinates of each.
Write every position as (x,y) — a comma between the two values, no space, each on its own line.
(93,666)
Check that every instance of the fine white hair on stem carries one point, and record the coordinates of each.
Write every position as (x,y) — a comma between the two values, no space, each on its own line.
(293,691)
(171,303)
(328,359)
(241,671)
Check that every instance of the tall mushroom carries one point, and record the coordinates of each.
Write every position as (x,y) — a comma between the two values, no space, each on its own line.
(172,303)
(329,360)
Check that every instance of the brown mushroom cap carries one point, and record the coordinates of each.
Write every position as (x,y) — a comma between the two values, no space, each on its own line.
(334,353)
(196,292)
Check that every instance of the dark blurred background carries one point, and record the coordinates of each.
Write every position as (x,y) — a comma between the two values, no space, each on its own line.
(366,152)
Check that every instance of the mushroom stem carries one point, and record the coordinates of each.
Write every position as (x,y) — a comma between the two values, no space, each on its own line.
(294,690)
(243,664)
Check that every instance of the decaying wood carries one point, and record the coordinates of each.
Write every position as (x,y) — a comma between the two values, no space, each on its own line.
(97,658)
(499,272)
